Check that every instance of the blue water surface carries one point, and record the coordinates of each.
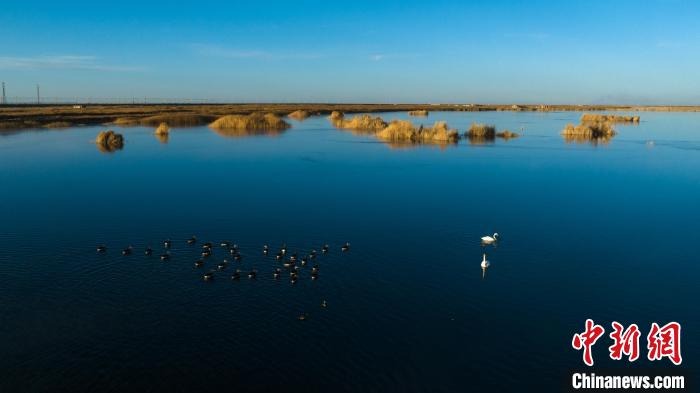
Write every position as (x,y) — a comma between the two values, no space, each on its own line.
(607,231)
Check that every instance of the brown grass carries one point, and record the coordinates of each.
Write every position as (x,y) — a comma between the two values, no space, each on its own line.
(179,115)
(254,121)
(477,130)
(163,129)
(177,119)
(109,141)
(404,130)
(594,132)
(505,134)
(336,115)
(125,121)
(597,117)
(299,115)
(359,122)
(419,112)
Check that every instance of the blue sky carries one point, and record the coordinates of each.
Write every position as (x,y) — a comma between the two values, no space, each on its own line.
(578,52)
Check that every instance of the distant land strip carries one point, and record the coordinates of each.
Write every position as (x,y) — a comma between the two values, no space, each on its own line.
(58,116)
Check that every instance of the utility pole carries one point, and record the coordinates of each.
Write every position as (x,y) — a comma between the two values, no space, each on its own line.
(38,96)
(4,98)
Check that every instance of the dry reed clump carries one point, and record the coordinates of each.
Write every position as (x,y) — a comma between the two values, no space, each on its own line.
(254,121)
(299,115)
(477,130)
(420,112)
(335,116)
(404,130)
(364,122)
(594,132)
(596,117)
(359,122)
(109,141)
(505,134)
(163,129)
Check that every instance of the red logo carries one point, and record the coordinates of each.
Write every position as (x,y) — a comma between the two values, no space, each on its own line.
(662,342)
(665,342)
(625,342)
(586,340)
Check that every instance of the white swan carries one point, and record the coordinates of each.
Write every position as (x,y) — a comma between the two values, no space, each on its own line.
(485,263)
(490,239)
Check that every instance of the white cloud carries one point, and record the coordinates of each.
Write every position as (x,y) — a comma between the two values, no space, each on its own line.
(669,44)
(527,36)
(65,62)
(212,50)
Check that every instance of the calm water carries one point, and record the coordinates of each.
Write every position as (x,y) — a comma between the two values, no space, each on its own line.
(608,232)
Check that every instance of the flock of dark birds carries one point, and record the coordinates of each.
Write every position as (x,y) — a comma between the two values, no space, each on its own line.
(290,261)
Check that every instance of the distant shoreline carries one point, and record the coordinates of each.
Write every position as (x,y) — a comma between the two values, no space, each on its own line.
(58,116)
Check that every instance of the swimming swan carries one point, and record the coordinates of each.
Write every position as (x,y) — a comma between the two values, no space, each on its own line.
(490,239)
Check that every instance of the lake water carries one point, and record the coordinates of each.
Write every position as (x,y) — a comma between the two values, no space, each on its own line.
(607,231)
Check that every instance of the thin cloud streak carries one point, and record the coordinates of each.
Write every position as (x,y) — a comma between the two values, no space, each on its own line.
(527,36)
(219,51)
(63,62)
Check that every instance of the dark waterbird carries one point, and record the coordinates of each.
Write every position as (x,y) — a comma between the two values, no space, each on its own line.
(277,273)
(222,265)
(324,304)
(266,249)
(192,240)
(253,274)
(207,246)
(101,249)
(208,276)
(314,275)
(283,249)
(225,244)
(236,275)
(237,257)
(303,317)
(148,251)
(127,251)
(206,253)
(165,257)
(198,263)
(345,247)
(325,249)
(167,243)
